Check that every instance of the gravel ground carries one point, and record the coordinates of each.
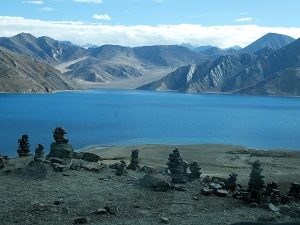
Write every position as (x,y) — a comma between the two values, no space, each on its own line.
(37,194)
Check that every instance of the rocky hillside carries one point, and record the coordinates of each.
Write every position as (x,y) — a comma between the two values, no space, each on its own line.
(269,71)
(23,74)
(45,49)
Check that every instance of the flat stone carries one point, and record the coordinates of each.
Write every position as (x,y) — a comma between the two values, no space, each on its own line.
(222,193)
(208,191)
(215,186)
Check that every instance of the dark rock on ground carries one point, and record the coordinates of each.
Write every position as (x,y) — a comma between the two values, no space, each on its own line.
(156,181)
(81,220)
(90,157)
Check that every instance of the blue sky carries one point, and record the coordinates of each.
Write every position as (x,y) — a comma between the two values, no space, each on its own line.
(145,21)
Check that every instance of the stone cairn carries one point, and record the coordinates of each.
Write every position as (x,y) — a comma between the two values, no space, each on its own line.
(121,168)
(195,170)
(134,161)
(61,147)
(256,184)
(176,167)
(3,161)
(273,193)
(230,183)
(39,153)
(294,190)
(23,149)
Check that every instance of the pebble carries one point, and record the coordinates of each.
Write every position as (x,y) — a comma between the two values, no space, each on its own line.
(164,220)
(101,211)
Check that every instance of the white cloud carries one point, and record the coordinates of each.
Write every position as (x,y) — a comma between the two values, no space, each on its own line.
(245,19)
(101,17)
(47,9)
(99,34)
(34,2)
(89,1)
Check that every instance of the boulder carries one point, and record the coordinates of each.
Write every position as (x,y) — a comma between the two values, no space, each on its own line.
(157,181)
(90,157)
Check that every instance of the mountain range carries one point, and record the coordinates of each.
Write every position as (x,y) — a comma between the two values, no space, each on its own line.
(270,71)
(269,65)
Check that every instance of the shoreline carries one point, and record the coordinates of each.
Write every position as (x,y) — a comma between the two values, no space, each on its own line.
(155,91)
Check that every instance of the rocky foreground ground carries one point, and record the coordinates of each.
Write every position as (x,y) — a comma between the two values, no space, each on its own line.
(36,193)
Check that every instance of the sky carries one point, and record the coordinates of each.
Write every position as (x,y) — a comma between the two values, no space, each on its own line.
(222,23)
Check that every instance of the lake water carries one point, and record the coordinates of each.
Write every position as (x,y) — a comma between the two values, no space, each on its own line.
(113,117)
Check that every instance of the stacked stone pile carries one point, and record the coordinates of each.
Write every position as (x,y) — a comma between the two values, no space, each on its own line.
(61,147)
(256,184)
(134,161)
(39,153)
(195,170)
(177,167)
(24,145)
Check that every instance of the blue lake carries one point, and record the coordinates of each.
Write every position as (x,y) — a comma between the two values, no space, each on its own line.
(113,117)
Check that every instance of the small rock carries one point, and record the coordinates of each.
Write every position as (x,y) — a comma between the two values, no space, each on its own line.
(58,167)
(80,220)
(196,198)
(222,193)
(101,211)
(66,174)
(111,209)
(273,208)
(76,165)
(58,202)
(164,220)
(207,179)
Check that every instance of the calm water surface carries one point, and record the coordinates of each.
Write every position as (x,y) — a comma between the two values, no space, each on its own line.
(113,117)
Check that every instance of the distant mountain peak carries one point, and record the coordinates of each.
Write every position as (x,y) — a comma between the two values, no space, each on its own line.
(270,40)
